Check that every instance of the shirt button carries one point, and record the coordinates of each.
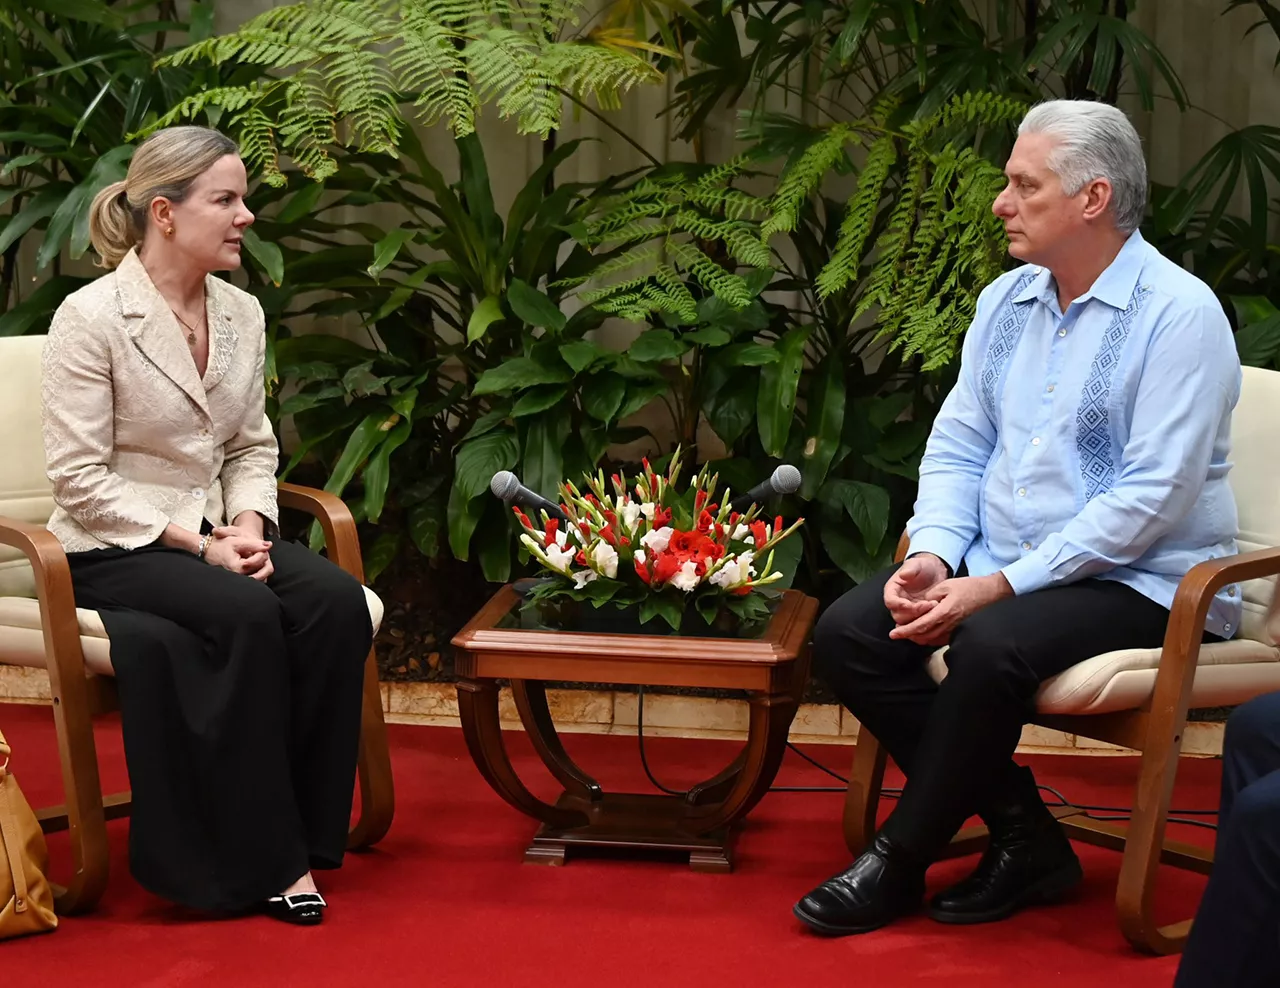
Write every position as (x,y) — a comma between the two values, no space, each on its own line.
(1026,545)
(1022,492)
(1049,389)
(197,492)
(1062,332)
(1231,591)
(1227,628)
(1036,441)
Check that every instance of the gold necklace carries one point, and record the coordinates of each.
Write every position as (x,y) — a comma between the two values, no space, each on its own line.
(191,333)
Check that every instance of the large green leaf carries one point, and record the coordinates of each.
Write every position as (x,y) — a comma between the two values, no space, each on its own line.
(35,310)
(533,307)
(387,249)
(463,516)
(824,421)
(866,504)
(602,395)
(43,205)
(426,519)
(483,316)
(655,345)
(493,543)
(544,452)
(539,399)
(517,374)
(779,381)
(368,434)
(266,254)
(377,474)
(480,458)
(381,554)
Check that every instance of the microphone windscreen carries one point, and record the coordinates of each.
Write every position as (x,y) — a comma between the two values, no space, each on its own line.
(504,485)
(786,479)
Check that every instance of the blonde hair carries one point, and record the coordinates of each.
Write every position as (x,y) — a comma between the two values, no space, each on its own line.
(165,164)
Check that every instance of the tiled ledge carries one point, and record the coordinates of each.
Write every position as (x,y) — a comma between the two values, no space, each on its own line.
(615,712)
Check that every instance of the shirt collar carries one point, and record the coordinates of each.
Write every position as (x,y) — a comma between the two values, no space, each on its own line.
(1114,286)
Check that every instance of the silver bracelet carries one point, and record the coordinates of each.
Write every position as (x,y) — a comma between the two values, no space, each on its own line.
(205,542)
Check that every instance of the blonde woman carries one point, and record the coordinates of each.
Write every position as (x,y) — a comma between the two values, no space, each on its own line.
(238,656)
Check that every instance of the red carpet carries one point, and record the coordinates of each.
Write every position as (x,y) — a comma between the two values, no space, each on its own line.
(445,900)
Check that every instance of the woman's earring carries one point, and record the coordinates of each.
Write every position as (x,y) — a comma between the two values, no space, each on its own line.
(168,231)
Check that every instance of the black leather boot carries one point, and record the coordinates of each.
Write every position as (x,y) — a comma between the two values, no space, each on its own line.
(884,883)
(1029,861)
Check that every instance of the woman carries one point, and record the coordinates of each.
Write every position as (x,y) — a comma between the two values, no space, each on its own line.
(238,657)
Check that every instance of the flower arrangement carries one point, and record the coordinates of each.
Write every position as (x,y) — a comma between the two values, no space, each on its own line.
(640,542)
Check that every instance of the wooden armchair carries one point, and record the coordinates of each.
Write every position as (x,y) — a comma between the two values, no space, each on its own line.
(41,626)
(1139,698)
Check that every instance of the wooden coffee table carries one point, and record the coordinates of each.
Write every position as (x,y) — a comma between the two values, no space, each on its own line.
(771,668)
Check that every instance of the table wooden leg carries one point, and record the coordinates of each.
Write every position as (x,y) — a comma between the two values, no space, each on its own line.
(716,788)
(771,715)
(531,701)
(478,711)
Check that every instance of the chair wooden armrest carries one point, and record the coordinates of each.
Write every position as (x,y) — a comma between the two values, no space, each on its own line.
(84,813)
(342,540)
(336,521)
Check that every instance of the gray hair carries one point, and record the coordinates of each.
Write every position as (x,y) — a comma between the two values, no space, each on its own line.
(1095,140)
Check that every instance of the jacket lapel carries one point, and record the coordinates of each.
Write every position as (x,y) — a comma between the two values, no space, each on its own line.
(222,333)
(155,330)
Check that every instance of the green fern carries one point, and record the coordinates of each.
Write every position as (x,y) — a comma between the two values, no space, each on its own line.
(357,72)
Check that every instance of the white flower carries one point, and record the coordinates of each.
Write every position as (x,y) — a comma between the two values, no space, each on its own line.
(561,537)
(582,578)
(559,559)
(648,509)
(735,572)
(640,557)
(658,540)
(686,577)
(604,558)
(741,534)
(630,514)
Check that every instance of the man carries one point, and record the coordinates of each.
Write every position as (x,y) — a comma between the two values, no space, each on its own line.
(1235,939)
(1074,474)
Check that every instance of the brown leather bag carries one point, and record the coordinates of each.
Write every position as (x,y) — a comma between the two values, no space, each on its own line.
(26,898)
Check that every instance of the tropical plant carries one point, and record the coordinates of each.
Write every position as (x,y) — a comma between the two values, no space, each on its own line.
(355,72)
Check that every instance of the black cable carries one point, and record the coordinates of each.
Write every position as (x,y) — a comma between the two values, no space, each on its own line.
(1115,813)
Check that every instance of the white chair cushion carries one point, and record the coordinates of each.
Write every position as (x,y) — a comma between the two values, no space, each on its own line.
(22,636)
(1226,674)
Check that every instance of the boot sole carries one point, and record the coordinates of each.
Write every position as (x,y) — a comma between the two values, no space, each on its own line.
(1050,889)
(830,930)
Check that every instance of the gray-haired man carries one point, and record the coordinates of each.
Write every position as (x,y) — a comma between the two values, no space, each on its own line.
(1074,474)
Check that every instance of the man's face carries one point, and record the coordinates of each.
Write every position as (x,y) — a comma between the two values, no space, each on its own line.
(1039,218)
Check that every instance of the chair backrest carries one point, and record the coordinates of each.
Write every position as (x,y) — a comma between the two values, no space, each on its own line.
(1255,479)
(25,493)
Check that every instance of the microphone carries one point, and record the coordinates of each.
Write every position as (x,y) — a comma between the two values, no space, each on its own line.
(506,486)
(784,480)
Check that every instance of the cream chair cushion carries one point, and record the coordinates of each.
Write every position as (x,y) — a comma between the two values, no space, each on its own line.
(1228,673)
(25,495)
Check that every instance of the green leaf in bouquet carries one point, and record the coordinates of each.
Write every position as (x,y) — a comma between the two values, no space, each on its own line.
(787,555)
(667,605)
(709,606)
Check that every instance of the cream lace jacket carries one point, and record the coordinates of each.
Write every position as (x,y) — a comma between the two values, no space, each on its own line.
(133,438)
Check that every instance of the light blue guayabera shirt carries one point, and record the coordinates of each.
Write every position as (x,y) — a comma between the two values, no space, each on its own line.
(1090,443)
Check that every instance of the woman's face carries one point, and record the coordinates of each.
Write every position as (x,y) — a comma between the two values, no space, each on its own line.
(208,225)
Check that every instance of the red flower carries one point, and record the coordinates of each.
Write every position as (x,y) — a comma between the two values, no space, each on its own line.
(642,571)
(684,544)
(705,521)
(777,525)
(661,517)
(665,566)
(759,533)
(524,519)
(609,535)
(699,501)
(553,526)
(581,557)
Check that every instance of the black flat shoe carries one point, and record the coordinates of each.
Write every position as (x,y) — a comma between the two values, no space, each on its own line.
(300,908)
(884,884)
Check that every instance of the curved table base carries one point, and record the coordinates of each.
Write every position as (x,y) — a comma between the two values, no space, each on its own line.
(701,824)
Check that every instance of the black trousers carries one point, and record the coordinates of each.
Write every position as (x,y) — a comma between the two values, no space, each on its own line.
(955,741)
(1235,939)
(240,706)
